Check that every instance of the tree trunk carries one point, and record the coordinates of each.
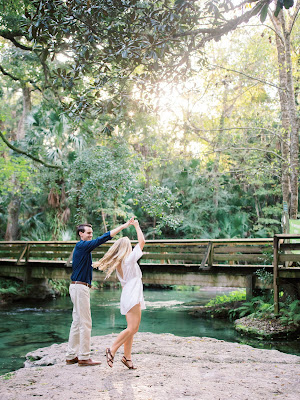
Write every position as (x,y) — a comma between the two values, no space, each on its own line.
(13,211)
(12,227)
(285,141)
(294,138)
(290,123)
(26,108)
(103,219)
(219,144)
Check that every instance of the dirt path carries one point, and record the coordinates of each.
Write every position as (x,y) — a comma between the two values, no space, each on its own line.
(169,368)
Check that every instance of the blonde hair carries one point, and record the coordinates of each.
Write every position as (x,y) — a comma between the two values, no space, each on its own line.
(114,257)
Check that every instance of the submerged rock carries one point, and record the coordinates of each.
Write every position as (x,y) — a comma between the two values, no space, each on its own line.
(265,328)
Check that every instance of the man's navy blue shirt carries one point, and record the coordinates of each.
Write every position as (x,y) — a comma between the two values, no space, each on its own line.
(82,258)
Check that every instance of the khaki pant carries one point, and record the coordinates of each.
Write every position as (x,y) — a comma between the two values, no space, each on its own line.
(79,344)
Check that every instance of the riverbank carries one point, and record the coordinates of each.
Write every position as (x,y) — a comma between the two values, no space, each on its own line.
(169,368)
(264,326)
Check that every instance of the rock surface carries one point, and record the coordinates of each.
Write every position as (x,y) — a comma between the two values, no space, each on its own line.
(169,368)
(265,328)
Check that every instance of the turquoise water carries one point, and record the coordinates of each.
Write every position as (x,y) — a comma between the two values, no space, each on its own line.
(28,326)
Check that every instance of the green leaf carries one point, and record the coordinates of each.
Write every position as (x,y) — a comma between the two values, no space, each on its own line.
(288,4)
(277,10)
(264,13)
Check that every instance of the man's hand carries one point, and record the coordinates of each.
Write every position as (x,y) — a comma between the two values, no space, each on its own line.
(115,231)
(130,222)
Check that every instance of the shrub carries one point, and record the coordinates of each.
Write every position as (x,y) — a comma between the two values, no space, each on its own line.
(60,286)
(290,313)
(238,295)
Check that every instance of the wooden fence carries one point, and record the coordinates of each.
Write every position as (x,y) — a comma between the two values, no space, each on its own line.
(192,252)
(286,254)
(277,255)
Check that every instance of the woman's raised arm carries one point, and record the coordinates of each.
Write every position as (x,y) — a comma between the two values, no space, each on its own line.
(140,235)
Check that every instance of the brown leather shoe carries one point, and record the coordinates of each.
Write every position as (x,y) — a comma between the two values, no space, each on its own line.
(73,361)
(89,362)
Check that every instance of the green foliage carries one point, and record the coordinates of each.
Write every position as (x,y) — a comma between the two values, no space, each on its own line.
(290,313)
(12,287)
(256,307)
(60,286)
(283,3)
(262,307)
(99,75)
(158,202)
(265,277)
(9,290)
(14,168)
(237,295)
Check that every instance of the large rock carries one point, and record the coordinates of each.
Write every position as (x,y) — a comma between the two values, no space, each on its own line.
(169,368)
(265,328)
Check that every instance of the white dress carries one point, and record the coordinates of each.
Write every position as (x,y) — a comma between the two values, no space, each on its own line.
(132,286)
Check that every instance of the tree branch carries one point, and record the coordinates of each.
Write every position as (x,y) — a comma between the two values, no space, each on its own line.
(276,26)
(12,35)
(14,78)
(215,33)
(251,148)
(14,148)
(248,76)
(19,79)
(294,17)
(234,128)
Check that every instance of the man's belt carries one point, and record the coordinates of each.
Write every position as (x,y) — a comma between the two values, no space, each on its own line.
(81,283)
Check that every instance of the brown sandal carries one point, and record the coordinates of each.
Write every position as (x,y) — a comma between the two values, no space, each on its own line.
(125,362)
(109,358)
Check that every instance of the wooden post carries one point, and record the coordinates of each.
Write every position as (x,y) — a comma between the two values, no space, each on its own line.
(275,275)
(205,256)
(27,253)
(211,256)
(24,250)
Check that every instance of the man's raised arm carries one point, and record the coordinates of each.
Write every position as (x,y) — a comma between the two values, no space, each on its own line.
(115,231)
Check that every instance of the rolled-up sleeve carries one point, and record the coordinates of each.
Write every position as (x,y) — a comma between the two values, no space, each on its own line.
(89,245)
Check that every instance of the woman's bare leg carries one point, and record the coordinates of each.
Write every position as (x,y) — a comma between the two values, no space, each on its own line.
(133,318)
(128,347)
(129,341)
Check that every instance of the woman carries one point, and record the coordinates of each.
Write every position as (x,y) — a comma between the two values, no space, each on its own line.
(123,259)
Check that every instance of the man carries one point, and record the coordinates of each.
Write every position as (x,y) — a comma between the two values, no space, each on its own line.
(79,345)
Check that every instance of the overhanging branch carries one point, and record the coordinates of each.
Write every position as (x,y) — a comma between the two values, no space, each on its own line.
(251,149)
(14,148)
(15,78)
(228,26)
(248,76)
(12,37)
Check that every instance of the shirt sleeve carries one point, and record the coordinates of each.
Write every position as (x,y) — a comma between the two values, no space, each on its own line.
(135,255)
(129,266)
(89,245)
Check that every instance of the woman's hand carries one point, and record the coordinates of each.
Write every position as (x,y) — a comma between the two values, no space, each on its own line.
(140,235)
(135,223)
(130,222)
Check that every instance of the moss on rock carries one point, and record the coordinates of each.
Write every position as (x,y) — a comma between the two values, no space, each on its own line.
(265,328)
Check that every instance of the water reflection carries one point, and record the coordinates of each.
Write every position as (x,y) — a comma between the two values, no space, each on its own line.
(30,326)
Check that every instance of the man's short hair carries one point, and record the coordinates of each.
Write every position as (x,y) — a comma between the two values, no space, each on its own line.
(81,228)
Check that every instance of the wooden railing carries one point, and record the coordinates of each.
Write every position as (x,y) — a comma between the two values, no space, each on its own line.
(284,255)
(241,256)
(191,252)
